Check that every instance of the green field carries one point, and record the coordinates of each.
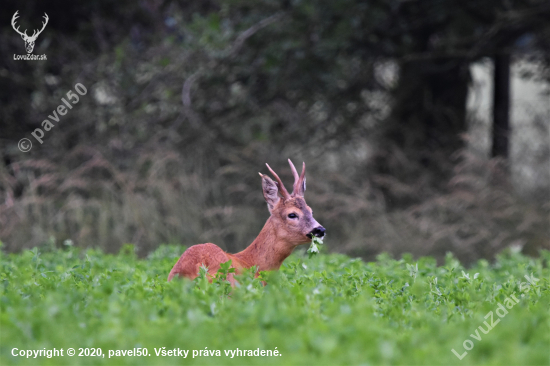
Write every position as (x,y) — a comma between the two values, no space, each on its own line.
(327,310)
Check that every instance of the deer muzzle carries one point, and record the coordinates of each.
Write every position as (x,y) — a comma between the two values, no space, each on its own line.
(319,232)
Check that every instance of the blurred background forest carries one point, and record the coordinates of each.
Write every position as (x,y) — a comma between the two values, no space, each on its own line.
(389,102)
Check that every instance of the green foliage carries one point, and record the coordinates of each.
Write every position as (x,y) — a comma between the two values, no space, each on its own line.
(313,248)
(330,309)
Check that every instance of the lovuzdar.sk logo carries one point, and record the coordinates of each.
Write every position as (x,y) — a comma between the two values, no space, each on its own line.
(29,40)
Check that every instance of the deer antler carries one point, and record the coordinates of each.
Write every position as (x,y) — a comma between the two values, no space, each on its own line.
(282,190)
(299,181)
(13,19)
(34,36)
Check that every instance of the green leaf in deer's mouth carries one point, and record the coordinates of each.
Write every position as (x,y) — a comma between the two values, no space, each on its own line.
(313,248)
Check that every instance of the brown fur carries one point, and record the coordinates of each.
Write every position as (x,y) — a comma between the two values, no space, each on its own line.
(276,241)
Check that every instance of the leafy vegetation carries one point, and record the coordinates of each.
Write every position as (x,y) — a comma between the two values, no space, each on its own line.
(313,247)
(330,309)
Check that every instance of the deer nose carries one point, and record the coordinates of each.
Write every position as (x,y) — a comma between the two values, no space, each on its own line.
(318,231)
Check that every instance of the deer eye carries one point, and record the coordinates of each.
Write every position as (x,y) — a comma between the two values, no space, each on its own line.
(292,216)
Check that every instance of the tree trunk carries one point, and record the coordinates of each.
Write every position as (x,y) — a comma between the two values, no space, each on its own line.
(427,121)
(501,106)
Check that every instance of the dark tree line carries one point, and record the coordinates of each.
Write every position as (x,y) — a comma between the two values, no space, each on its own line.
(186,99)
(305,51)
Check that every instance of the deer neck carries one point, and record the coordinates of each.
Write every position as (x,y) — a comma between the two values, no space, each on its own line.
(267,251)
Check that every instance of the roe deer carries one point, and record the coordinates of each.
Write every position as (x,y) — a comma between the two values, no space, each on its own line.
(291,223)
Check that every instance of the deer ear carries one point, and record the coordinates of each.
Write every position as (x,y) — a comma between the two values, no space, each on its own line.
(270,189)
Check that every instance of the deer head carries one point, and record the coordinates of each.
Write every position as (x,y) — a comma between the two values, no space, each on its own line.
(29,40)
(291,217)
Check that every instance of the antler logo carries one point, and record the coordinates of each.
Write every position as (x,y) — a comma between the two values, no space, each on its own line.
(29,41)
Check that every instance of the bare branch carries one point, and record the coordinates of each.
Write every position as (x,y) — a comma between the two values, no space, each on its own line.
(238,43)
(186,89)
